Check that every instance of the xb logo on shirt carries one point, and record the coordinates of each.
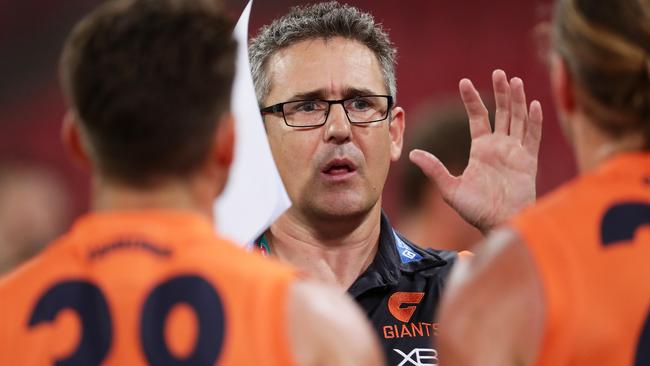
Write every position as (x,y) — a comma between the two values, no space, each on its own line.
(396,304)
(419,357)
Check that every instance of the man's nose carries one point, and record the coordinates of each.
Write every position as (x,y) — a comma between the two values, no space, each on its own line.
(337,127)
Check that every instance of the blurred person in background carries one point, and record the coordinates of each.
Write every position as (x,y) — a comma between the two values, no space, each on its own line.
(566,283)
(142,278)
(34,210)
(325,81)
(442,129)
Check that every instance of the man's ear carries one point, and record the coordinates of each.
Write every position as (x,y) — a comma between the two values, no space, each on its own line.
(396,131)
(224,144)
(562,85)
(72,139)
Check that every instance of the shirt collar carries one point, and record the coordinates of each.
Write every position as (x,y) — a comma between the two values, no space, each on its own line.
(155,225)
(395,255)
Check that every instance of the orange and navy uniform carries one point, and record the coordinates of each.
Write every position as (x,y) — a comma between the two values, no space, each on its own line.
(590,242)
(149,287)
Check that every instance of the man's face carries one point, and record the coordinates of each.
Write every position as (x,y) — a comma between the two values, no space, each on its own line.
(338,169)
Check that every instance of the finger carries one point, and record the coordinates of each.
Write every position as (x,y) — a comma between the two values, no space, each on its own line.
(435,170)
(502,101)
(479,123)
(519,109)
(533,135)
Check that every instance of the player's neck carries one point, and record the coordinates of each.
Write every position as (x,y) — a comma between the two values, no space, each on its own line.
(338,258)
(593,145)
(191,195)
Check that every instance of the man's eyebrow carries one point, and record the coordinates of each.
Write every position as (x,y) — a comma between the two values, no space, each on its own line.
(357,92)
(310,95)
(321,94)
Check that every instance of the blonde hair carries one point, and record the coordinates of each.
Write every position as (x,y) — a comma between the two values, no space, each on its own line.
(606,46)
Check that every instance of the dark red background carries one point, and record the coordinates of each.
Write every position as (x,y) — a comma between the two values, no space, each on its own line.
(439,42)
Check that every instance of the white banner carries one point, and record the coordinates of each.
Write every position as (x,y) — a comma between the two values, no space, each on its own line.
(254,196)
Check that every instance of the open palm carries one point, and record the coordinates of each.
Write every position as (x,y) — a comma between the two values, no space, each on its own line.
(500,177)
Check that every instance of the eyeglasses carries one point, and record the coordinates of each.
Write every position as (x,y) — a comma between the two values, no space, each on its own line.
(313,113)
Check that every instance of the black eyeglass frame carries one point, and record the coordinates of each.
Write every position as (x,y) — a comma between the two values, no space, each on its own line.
(279,108)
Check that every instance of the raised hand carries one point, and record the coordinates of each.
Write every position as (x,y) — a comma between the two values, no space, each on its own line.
(500,177)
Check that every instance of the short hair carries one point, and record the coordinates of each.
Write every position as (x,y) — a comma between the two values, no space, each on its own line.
(149,80)
(321,21)
(606,46)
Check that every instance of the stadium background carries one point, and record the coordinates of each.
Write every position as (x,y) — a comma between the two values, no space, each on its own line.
(439,42)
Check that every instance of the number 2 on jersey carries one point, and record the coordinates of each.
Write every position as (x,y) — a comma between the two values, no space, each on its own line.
(88,301)
(619,226)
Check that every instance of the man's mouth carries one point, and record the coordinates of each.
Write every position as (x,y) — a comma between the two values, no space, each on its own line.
(339,168)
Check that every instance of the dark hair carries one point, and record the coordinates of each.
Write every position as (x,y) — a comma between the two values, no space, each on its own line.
(322,20)
(148,80)
(606,45)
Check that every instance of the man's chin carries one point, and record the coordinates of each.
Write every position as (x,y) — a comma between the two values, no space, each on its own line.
(339,209)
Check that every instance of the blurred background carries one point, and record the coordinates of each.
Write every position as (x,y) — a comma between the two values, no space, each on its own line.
(439,42)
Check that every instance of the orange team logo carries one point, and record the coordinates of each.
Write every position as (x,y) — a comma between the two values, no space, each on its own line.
(398,299)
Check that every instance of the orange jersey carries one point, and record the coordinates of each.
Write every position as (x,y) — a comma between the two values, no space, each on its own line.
(590,241)
(138,288)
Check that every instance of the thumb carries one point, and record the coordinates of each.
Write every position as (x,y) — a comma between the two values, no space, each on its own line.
(435,170)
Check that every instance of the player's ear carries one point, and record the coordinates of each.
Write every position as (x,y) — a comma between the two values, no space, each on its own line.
(225,141)
(396,130)
(562,85)
(223,150)
(72,139)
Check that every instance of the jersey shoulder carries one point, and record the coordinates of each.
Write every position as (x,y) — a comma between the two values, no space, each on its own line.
(237,261)
(37,269)
(623,179)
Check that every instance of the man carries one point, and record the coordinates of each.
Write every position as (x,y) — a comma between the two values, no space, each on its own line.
(143,279)
(566,283)
(325,79)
